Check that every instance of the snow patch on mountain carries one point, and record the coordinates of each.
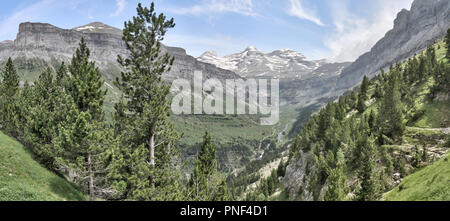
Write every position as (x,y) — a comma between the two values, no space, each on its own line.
(252,62)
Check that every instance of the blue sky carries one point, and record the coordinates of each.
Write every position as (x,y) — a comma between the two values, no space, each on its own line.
(340,30)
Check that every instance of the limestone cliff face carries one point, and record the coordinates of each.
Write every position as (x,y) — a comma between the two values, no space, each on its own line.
(414,30)
(50,43)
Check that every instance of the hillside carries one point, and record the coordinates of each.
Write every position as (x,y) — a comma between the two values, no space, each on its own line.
(22,178)
(373,138)
(429,184)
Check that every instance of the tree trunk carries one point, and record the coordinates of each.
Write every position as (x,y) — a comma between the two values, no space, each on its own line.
(91,179)
(152,150)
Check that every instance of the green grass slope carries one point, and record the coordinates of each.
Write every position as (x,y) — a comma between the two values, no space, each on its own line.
(22,178)
(432,183)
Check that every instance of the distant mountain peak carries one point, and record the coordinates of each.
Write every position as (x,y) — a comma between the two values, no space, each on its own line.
(252,49)
(252,62)
(98,27)
(209,54)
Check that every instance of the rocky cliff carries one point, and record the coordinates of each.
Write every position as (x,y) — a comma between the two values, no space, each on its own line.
(424,23)
(40,41)
(414,30)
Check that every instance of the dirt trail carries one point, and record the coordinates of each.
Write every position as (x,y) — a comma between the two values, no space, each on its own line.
(443,130)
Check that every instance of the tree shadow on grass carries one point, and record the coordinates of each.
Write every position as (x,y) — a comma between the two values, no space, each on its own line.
(65,190)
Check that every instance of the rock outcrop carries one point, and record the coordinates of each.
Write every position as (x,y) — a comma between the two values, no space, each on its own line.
(50,43)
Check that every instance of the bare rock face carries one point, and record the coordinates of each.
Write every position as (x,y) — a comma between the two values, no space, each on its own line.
(50,43)
(298,177)
(414,30)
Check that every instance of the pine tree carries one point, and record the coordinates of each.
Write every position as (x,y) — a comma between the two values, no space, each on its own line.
(9,92)
(85,149)
(337,187)
(62,76)
(447,41)
(369,190)
(362,96)
(391,110)
(85,84)
(149,138)
(205,180)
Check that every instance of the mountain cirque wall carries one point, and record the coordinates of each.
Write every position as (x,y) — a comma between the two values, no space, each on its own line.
(414,30)
(47,42)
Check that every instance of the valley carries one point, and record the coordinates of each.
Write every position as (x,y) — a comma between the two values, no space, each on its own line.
(377,128)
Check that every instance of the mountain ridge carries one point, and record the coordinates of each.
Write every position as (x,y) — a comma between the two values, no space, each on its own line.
(413,31)
(46,42)
(255,63)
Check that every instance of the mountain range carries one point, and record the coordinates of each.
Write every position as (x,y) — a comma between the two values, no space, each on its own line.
(40,44)
(304,83)
(254,63)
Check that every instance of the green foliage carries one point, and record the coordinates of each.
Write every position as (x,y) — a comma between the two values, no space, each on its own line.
(9,91)
(390,119)
(337,187)
(447,41)
(265,189)
(369,190)
(85,84)
(148,139)
(410,93)
(362,96)
(206,183)
(427,184)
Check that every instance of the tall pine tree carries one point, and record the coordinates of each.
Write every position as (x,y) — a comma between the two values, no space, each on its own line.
(337,187)
(149,140)
(447,41)
(9,92)
(362,96)
(369,190)
(206,182)
(85,84)
(391,110)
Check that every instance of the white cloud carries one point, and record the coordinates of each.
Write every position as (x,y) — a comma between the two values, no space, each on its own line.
(243,7)
(121,4)
(356,34)
(298,10)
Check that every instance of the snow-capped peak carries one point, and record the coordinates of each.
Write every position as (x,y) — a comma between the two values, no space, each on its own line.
(252,62)
(98,27)
(252,48)
(209,54)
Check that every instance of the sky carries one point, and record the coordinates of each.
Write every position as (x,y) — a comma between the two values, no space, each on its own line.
(339,30)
